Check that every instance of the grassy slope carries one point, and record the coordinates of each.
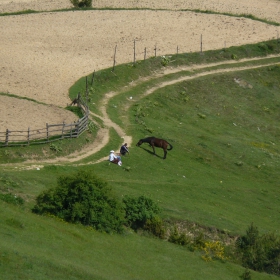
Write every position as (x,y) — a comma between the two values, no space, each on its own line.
(222,172)
(35,247)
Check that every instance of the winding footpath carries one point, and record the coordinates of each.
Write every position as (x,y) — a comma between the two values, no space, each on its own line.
(102,137)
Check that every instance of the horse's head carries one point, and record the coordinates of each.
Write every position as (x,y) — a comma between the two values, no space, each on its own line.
(139,143)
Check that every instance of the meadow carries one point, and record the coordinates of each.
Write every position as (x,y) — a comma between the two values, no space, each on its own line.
(221,175)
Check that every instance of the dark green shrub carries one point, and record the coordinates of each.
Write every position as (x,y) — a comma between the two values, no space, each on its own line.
(139,210)
(178,238)
(82,198)
(250,239)
(270,47)
(263,47)
(12,199)
(199,241)
(82,3)
(156,227)
(246,275)
(260,253)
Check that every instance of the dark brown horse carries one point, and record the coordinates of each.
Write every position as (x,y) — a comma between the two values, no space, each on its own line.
(156,142)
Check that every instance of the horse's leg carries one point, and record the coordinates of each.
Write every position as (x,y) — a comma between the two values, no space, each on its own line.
(165,152)
(153,149)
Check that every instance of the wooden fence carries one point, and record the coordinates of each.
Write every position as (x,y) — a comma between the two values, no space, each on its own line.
(51,133)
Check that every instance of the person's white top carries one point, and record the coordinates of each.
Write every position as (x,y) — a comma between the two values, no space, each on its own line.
(112,157)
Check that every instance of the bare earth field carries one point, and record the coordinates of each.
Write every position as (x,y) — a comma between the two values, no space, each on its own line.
(43,54)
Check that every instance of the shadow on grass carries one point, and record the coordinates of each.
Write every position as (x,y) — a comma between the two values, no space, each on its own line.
(151,152)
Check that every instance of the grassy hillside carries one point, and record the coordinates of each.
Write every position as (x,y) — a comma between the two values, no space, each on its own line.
(222,172)
(35,247)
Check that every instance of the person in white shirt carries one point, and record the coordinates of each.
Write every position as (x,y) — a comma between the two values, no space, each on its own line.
(114,158)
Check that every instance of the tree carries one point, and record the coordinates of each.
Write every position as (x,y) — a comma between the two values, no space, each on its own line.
(82,198)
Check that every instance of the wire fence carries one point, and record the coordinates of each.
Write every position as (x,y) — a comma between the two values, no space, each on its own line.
(202,45)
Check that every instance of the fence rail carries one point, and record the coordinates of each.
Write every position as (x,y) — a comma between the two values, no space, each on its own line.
(51,133)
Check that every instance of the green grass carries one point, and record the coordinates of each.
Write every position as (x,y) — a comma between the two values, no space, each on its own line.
(222,172)
(235,143)
(41,152)
(34,247)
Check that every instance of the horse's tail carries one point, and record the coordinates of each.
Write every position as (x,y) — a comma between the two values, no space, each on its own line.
(171,147)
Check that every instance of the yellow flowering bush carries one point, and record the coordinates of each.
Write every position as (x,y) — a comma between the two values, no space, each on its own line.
(213,250)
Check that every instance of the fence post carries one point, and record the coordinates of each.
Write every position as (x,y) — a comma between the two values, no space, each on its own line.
(62,132)
(277,41)
(145,53)
(134,55)
(77,128)
(71,130)
(155,50)
(114,63)
(201,43)
(177,49)
(7,137)
(79,99)
(87,97)
(28,135)
(92,78)
(47,128)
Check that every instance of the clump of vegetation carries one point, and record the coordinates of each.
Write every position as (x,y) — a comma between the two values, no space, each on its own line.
(156,227)
(177,237)
(246,275)
(92,127)
(82,198)
(76,110)
(259,252)
(55,148)
(81,3)
(165,60)
(12,199)
(8,182)
(139,210)
(214,250)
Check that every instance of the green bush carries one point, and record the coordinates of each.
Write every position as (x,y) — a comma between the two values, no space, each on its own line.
(82,198)
(178,238)
(263,47)
(165,60)
(156,227)
(260,253)
(246,275)
(12,199)
(81,3)
(139,210)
